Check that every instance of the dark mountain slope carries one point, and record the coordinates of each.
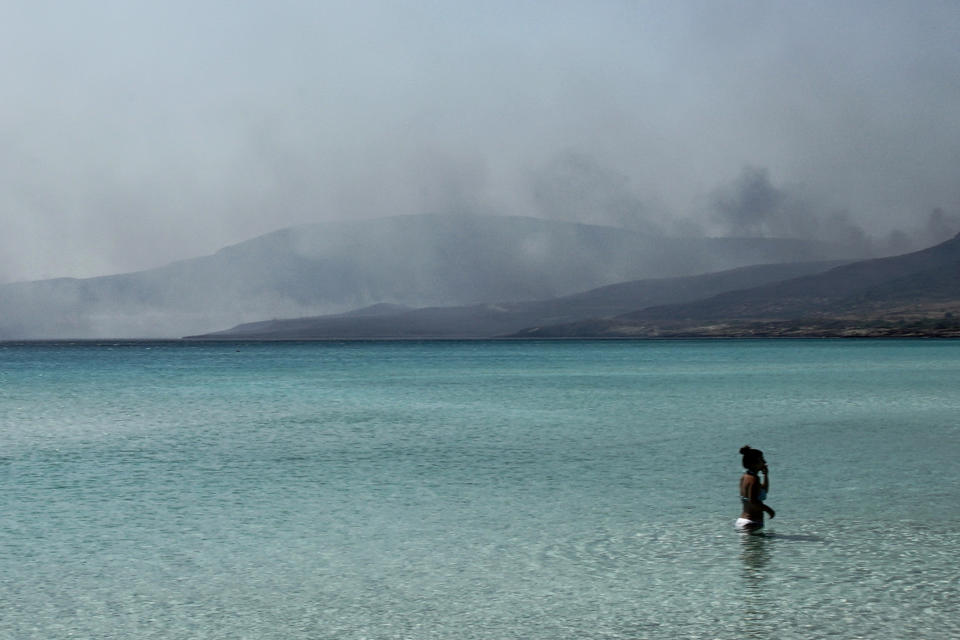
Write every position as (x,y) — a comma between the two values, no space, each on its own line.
(872,296)
(486,320)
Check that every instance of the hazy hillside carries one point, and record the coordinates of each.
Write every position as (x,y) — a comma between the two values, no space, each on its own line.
(332,267)
(487,320)
(912,294)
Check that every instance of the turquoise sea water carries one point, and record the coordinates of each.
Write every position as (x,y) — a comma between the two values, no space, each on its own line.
(561,490)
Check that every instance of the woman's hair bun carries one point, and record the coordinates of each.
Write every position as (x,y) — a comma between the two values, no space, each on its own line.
(744,449)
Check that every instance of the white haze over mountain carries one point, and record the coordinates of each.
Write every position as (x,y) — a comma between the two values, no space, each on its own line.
(135,133)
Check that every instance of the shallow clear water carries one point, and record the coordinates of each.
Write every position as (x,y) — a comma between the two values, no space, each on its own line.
(478,490)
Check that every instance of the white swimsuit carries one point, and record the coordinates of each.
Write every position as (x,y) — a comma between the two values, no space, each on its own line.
(746,523)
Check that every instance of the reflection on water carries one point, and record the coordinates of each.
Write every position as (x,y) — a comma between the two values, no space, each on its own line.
(763,560)
(754,556)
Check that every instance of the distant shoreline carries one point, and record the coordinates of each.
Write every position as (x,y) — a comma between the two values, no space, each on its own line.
(108,342)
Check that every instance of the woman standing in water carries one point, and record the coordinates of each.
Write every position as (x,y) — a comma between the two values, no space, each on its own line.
(753,490)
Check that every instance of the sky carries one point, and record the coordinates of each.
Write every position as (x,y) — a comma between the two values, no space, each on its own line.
(136,133)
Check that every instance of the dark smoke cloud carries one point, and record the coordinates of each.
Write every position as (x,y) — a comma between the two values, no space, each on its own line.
(934,228)
(753,206)
(941,225)
(575,186)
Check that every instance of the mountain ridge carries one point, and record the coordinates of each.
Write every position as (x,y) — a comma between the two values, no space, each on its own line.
(492,320)
(912,294)
(323,268)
